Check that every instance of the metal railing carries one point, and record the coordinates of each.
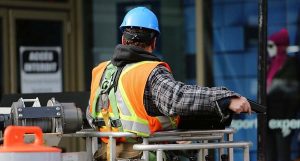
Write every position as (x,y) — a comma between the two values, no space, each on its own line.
(223,140)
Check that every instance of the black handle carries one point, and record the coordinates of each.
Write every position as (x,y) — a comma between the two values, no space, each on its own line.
(258,108)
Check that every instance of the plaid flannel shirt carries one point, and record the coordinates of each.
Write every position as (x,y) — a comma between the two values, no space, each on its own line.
(166,96)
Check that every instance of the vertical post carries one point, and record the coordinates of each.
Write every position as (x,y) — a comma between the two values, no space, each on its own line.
(145,152)
(261,95)
(159,154)
(246,153)
(112,148)
(200,57)
(88,144)
(221,150)
(230,139)
(94,145)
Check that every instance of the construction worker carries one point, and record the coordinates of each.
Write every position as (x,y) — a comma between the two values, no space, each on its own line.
(136,92)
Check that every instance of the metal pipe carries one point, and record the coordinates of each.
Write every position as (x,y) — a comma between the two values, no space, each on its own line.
(112,148)
(182,138)
(159,154)
(262,60)
(92,133)
(146,153)
(160,147)
(88,147)
(196,132)
(191,146)
(246,154)
(103,134)
(230,138)
(221,150)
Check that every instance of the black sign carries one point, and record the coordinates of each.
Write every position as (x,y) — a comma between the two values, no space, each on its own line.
(40,61)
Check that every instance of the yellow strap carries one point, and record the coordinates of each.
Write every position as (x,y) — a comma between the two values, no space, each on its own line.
(105,115)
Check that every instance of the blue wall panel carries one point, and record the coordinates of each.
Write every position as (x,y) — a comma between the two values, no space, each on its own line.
(276,12)
(228,39)
(218,16)
(293,32)
(217,40)
(235,65)
(233,38)
(233,14)
(250,13)
(190,43)
(218,66)
(251,88)
(189,18)
(251,63)
(293,8)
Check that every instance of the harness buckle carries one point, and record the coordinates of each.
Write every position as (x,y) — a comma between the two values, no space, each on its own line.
(99,122)
(116,123)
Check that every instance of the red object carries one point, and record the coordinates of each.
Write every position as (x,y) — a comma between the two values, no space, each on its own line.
(14,140)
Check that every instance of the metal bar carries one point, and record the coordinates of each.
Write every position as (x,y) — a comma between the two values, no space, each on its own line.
(112,148)
(103,134)
(30,100)
(230,138)
(191,146)
(262,67)
(205,151)
(246,154)
(159,154)
(201,155)
(146,153)
(221,150)
(183,138)
(94,145)
(155,136)
(88,144)
(192,132)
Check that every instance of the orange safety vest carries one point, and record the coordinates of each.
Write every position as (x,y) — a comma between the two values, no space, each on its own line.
(129,96)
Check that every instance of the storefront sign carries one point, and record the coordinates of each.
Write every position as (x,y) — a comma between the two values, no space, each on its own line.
(40,69)
(245,124)
(285,125)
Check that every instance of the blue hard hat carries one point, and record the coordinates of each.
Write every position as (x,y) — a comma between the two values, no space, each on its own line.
(140,17)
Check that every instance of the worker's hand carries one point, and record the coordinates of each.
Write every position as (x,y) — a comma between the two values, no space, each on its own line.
(239,104)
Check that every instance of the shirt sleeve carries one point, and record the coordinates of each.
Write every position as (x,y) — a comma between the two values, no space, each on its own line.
(173,97)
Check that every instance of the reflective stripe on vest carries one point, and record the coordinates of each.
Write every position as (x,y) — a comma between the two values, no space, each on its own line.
(130,121)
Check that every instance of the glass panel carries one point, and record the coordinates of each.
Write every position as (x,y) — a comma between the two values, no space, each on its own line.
(235,64)
(283,80)
(190,41)
(234,44)
(40,37)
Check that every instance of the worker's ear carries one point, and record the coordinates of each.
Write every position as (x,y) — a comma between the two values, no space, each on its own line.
(123,40)
(153,44)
